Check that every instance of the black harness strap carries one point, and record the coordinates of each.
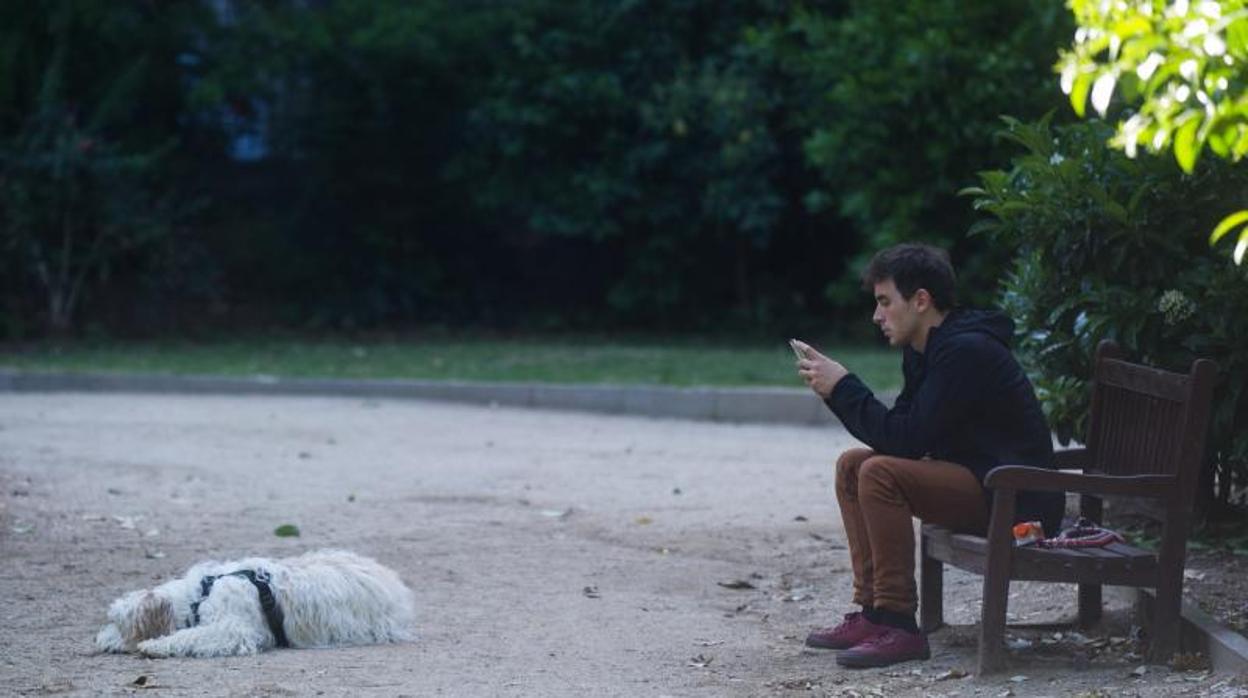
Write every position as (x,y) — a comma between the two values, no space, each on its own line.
(268,602)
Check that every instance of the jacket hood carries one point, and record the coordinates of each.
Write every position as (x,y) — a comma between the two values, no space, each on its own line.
(993,323)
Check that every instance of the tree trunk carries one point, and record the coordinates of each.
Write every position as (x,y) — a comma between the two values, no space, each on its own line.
(60,314)
(742,277)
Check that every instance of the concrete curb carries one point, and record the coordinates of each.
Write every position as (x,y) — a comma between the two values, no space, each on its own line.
(753,405)
(1226,649)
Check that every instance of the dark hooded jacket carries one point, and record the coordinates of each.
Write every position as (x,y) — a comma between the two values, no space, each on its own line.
(965,400)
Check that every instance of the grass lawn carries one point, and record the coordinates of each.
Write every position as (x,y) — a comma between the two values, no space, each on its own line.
(570,360)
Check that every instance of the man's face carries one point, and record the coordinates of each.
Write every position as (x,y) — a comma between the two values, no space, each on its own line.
(897,317)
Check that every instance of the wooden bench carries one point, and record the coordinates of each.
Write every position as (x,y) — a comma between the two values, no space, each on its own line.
(1146,438)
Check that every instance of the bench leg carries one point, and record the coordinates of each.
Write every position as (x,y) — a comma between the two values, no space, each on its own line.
(1089,604)
(1165,629)
(992,623)
(996,583)
(931,591)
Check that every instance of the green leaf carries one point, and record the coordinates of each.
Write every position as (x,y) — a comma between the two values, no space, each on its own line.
(1218,144)
(1186,145)
(1225,225)
(1079,93)
(286,531)
(983,227)
(1131,26)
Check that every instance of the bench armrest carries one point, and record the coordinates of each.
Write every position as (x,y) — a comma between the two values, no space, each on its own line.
(1021,477)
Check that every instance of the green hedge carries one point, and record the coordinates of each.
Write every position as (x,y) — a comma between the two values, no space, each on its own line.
(1110,247)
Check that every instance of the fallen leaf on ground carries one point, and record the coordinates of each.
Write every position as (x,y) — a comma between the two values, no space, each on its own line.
(799,517)
(643,521)
(736,584)
(286,531)
(701,661)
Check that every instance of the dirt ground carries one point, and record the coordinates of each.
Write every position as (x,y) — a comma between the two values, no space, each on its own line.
(550,553)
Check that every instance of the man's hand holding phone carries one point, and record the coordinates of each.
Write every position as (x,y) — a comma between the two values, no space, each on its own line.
(820,373)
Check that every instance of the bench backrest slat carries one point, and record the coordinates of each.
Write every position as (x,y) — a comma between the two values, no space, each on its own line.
(1146,421)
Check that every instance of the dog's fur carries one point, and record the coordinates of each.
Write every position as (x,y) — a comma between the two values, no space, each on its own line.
(328,597)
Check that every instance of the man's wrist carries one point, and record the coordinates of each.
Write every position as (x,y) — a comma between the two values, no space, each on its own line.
(836,384)
(827,394)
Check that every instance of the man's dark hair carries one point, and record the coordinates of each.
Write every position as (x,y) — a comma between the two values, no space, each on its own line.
(913,266)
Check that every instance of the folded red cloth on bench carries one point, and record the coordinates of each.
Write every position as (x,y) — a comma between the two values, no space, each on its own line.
(1084,534)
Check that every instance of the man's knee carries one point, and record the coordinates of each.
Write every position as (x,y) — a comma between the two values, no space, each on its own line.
(876,475)
(847,466)
(853,458)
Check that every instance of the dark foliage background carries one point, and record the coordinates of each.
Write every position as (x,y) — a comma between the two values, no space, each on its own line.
(676,166)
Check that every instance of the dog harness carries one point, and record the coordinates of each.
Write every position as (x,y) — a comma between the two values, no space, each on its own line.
(268,602)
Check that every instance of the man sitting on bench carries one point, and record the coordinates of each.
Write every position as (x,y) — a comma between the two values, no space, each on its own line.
(965,408)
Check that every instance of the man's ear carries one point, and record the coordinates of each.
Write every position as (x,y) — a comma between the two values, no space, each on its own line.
(922,299)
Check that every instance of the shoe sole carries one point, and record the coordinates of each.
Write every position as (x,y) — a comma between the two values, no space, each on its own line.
(852,661)
(825,646)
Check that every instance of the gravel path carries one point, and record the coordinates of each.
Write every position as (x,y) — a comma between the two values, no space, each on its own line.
(550,553)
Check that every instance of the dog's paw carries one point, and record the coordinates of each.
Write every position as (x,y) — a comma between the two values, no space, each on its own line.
(155,648)
(109,640)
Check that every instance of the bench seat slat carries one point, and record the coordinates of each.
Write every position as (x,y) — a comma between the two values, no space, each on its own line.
(1117,563)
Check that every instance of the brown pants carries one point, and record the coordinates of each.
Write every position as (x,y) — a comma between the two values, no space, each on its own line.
(878,496)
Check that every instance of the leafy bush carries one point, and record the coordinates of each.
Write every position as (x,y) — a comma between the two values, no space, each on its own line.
(1182,63)
(904,101)
(1108,247)
(663,154)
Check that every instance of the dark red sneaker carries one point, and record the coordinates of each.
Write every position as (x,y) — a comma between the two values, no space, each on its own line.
(853,630)
(890,646)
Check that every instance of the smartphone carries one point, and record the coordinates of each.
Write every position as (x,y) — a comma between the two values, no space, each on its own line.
(796,352)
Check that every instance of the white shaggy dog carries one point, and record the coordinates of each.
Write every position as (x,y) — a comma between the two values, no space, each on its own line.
(319,599)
